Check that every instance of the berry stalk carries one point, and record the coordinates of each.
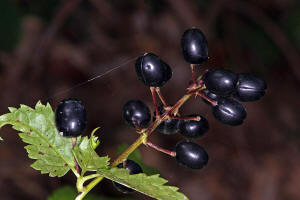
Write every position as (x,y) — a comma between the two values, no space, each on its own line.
(158,148)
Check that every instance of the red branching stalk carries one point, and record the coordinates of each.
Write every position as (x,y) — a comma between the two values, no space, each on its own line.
(161,97)
(158,148)
(193,89)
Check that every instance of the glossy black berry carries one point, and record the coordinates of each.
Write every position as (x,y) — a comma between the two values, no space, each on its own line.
(133,168)
(194,46)
(191,155)
(135,112)
(193,128)
(169,126)
(210,95)
(70,117)
(152,71)
(220,81)
(229,111)
(249,88)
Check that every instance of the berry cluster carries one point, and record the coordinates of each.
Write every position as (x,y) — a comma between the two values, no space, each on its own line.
(220,88)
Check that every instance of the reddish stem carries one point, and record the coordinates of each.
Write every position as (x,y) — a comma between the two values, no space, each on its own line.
(161,97)
(152,89)
(74,141)
(214,103)
(136,126)
(196,118)
(193,73)
(158,148)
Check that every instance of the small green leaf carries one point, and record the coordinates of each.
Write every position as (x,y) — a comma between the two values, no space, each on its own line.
(153,186)
(52,152)
(94,140)
(87,158)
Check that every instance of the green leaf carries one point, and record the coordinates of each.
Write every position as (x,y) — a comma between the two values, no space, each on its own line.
(53,153)
(87,158)
(137,157)
(94,140)
(153,186)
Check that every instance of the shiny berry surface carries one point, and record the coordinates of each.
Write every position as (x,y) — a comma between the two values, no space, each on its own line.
(194,46)
(229,111)
(135,112)
(152,71)
(249,88)
(71,117)
(167,127)
(191,155)
(193,128)
(220,81)
(133,168)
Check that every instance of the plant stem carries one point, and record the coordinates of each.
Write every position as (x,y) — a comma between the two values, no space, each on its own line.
(212,102)
(130,149)
(161,97)
(88,188)
(193,73)
(158,148)
(196,118)
(152,89)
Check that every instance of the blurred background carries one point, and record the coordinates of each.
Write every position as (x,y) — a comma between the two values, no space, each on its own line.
(49,46)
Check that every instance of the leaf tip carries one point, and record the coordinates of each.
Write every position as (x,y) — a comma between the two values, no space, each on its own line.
(94,142)
(38,104)
(12,109)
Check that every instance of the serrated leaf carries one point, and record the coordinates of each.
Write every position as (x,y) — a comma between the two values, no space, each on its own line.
(87,158)
(53,153)
(153,186)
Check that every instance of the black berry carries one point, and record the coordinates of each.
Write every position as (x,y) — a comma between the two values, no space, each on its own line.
(152,71)
(191,155)
(193,128)
(249,88)
(135,112)
(229,111)
(169,126)
(194,46)
(220,81)
(70,117)
(133,168)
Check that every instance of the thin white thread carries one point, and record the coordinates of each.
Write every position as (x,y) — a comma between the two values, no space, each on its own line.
(92,79)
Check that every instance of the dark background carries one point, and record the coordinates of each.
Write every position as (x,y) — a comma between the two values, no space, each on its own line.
(49,46)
